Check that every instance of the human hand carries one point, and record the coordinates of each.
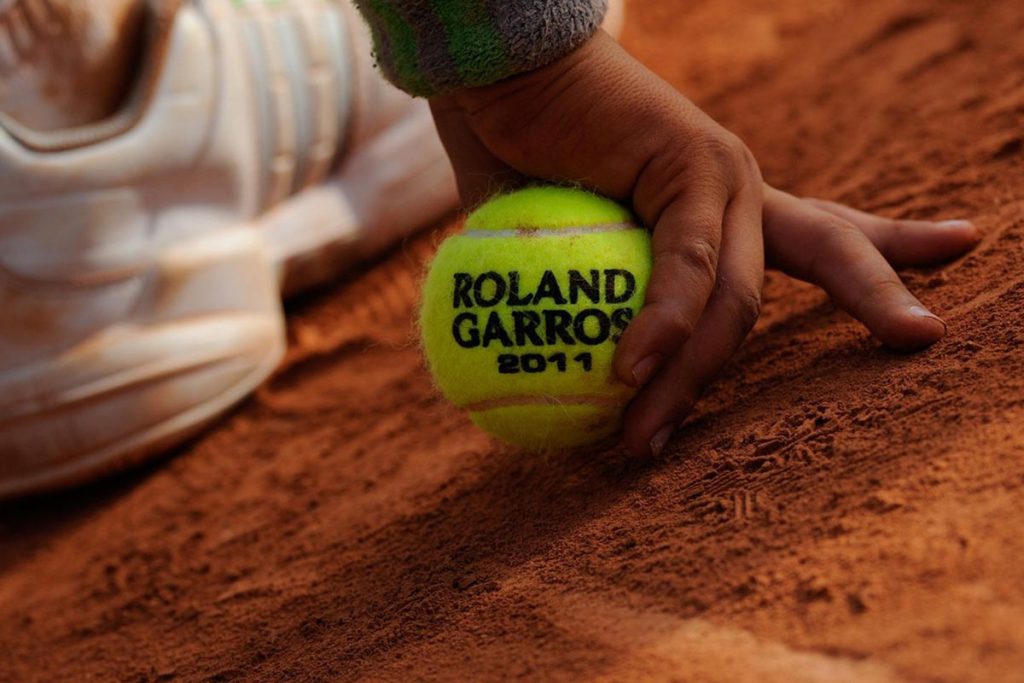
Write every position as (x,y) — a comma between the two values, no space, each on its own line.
(848,253)
(599,118)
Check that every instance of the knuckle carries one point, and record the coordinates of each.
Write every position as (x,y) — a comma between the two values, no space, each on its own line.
(703,255)
(704,219)
(749,164)
(672,319)
(720,147)
(687,391)
(837,228)
(835,248)
(747,306)
(822,204)
(892,226)
(875,293)
(882,288)
(720,155)
(698,254)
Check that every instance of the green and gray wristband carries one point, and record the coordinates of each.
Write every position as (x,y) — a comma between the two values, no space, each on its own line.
(429,47)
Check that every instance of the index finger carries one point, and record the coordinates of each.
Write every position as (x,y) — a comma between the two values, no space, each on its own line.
(685,249)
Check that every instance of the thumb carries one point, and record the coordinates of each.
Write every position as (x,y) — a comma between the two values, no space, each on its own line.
(478,172)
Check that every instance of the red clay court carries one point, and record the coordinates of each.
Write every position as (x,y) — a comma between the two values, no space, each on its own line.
(832,512)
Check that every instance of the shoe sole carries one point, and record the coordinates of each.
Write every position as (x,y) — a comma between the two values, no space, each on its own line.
(213,331)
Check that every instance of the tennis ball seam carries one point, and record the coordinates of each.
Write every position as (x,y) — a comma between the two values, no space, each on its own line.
(560,232)
(594,400)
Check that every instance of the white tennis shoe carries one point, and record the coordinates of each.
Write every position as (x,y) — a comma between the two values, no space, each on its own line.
(142,260)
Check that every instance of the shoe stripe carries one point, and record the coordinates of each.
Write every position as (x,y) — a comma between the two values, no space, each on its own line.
(294,62)
(265,115)
(321,83)
(299,56)
(276,104)
(342,65)
(281,101)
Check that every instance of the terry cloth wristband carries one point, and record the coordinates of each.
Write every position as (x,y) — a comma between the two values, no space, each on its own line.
(428,47)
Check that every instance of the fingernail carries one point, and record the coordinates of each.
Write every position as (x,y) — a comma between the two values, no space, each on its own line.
(660,439)
(922,312)
(643,370)
(954,225)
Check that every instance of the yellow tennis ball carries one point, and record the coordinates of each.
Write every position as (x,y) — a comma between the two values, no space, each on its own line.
(522,312)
